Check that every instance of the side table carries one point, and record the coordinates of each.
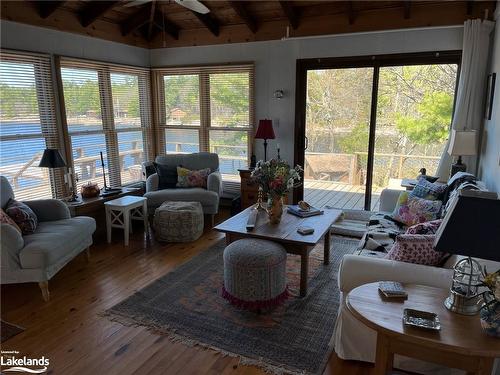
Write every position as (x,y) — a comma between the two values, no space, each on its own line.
(460,343)
(121,211)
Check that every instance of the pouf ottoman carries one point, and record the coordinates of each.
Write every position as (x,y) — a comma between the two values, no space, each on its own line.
(178,221)
(255,274)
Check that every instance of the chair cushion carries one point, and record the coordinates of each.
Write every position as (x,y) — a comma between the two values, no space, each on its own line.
(54,240)
(416,249)
(22,215)
(205,197)
(187,178)
(6,219)
(412,210)
(167,175)
(428,190)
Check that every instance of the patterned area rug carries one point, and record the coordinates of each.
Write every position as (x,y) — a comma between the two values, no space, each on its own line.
(186,304)
(9,330)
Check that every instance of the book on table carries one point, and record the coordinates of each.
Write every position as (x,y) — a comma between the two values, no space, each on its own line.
(297,211)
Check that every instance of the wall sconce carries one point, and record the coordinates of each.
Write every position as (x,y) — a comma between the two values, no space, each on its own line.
(278,94)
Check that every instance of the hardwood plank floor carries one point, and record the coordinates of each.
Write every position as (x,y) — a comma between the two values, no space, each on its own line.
(69,331)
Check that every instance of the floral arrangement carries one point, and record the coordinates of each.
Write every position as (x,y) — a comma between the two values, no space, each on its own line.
(276,177)
(492,282)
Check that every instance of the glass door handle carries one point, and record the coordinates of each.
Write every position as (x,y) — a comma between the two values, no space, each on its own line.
(306,143)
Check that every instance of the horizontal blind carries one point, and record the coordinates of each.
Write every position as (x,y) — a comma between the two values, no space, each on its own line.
(113,117)
(209,108)
(28,125)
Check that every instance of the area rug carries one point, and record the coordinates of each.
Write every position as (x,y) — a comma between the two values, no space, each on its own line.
(296,338)
(9,330)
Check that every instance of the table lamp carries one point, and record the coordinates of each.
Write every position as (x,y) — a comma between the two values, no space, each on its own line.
(462,143)
(265,131)
(52,158)
(471,227)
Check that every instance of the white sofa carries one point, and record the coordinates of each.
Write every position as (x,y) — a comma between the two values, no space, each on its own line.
(354,340)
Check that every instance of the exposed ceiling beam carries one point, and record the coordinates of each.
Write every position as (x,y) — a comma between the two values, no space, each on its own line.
(470,7)
(151,19)
(93,10)
(161,22)
(209,22)
(350,13)
(407,6)
(290,13)
(241,11)
(135,21)
(46,8)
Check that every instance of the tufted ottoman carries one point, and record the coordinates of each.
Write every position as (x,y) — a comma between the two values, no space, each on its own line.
(255,274)
(178,221)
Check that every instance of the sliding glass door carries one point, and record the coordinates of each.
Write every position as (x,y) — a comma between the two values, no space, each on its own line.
(364,124)
(337,128)
(414,111)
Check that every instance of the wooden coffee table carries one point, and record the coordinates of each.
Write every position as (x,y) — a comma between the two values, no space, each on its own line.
(459,344)
(285,233)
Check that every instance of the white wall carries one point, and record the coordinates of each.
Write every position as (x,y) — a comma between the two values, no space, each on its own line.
(37,39)
(489,166)
(275,65)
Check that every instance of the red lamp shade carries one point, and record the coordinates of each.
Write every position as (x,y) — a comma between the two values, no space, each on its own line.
(265,130)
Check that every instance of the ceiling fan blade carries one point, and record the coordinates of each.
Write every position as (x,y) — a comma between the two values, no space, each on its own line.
(193,5)
(135,3)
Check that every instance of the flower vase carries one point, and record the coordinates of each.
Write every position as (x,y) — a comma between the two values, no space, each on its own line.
(275,209)
(490,318)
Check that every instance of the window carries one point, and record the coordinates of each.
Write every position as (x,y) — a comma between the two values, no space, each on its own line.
(207,109)
(28,125)
(107,110)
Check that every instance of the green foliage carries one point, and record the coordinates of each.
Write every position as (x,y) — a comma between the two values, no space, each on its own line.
(16,101)
(81,98)
(431,125)
(356,141)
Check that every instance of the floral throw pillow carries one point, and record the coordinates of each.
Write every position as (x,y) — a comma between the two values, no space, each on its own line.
(428,190)
(416,249)
(6,219)
(412,210)
(187,178)
(429,227)
(22,215)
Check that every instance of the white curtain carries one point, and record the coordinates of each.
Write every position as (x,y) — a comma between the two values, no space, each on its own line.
(469,107)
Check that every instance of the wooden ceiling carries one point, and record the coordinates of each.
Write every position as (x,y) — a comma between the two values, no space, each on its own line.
(157,24)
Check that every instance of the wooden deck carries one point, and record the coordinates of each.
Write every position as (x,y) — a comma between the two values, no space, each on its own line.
(337,194)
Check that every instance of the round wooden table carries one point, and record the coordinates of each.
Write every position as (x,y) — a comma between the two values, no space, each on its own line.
(460,343)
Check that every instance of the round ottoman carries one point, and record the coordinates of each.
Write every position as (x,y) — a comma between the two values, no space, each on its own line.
(178,221)
(255,274)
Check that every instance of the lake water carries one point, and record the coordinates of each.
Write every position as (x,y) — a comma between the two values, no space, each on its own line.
(15,152)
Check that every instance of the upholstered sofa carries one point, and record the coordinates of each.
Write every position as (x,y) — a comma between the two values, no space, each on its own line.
(57,239)
(209,197)
(355,341)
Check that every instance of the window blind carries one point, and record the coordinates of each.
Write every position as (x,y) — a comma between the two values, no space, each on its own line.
(28,125)
(108,110)
(207,109)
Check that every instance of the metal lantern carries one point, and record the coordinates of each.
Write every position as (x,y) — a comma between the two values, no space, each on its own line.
(464,297)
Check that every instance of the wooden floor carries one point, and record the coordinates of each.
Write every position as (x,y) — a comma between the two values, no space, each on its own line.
(69,331)
(337,194)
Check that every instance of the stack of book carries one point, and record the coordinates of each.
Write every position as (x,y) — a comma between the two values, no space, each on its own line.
(297,211)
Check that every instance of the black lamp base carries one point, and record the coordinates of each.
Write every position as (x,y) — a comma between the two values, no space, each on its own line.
(458,167)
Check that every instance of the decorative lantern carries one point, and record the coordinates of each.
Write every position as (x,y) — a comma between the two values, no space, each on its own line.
(464,298)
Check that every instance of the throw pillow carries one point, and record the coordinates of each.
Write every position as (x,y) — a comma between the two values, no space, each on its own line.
(412,210)
(429,227)
(427,190)
(6,219)
(23,216)
(187,178)
(416,249)
(167,176)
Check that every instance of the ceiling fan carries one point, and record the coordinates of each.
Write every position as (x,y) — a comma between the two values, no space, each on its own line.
(194,5)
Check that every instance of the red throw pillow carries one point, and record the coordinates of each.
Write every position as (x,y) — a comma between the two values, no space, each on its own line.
(416,249)
(23,216)
(6,219)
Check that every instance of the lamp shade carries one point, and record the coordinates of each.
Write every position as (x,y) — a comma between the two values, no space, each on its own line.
(462,143)
(471,226)
(51,158)
(265,130)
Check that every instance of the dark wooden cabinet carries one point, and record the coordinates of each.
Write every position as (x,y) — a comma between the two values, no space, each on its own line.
(249,189)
